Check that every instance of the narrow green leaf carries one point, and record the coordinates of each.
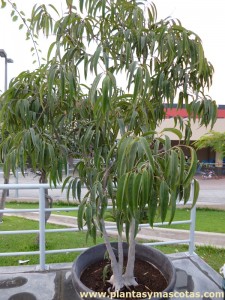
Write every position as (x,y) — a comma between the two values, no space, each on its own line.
(105,93)
(121,125)
(132,68)
(164,199)
(187,193)
(81,2)
(173,205)
(62,83)
(121,162)
(79,190)
(182,165)
(173,130)
(196,191)
(173,169)
(88,216)
(51,78)
(121,189)
(110,187)
(80,215)
(129,191)
(65,182)
(137,83)
(192,167)
(131,155)
(95,58)
(94,87)
(152,207)
(147,150)
(135,193)
(146,187)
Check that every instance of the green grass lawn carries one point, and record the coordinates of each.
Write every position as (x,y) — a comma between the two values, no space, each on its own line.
(59,204)
(208,220)
(27,242)
(215,257)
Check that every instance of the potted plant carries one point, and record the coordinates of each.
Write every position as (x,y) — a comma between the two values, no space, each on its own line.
(117,68)
(125,162)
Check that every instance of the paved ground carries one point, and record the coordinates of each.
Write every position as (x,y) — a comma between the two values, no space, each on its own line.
(194,277)
(212,191)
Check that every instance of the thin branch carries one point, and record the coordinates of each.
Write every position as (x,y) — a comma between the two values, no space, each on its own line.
(28,29)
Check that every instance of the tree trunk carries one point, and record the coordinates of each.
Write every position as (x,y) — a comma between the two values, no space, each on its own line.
(120,253)
(129,279)
(3,197)
(116,279)
(48,200)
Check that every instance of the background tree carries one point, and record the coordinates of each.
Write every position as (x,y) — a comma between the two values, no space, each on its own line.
(216,141)
(122,69)
(35,117)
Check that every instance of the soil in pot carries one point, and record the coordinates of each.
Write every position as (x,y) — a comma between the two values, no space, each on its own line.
(149,278)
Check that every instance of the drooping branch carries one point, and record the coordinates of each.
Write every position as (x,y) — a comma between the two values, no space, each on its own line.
(28,29)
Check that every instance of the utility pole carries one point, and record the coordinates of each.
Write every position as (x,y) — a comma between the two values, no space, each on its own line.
(5,193)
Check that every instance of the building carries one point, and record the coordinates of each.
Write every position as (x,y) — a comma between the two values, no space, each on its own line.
(206,155)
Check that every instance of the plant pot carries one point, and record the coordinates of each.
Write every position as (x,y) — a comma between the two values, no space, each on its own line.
(97,253)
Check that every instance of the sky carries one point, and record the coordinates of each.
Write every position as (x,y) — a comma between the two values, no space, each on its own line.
(205,17)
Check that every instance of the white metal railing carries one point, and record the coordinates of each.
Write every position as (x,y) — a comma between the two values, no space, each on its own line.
(42,230)
(18,172)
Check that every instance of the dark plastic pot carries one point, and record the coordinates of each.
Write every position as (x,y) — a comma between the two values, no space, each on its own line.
(96,253)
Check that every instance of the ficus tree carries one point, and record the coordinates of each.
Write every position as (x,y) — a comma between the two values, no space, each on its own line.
(128,68)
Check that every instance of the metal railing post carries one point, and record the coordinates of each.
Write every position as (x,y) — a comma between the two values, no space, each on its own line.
(17,181)
(68,170)
(42,229)
(191,249)
(192,231)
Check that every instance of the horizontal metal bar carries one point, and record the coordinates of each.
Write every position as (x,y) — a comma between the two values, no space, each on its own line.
(166,223)
(65,250)
(83,249)
(19,253)
(29,186)
(18,231)
(63,209)
(167,243)
(75,208)
(16,210)
(19,172)
(73,229)
(21,210)
(76,229)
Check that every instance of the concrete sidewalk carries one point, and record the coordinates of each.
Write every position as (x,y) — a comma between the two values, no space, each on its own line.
(212,192)
(194,277)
